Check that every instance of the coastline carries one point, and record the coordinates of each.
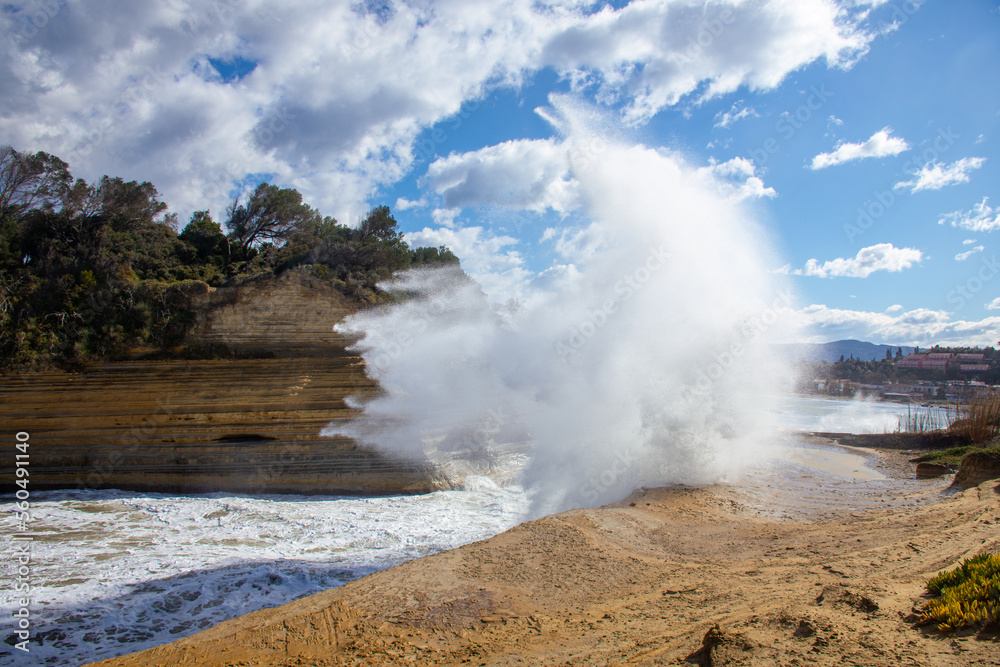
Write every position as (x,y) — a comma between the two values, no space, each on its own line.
(666,576)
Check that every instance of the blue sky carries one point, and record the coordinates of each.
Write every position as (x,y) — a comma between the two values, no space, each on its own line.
(861,135)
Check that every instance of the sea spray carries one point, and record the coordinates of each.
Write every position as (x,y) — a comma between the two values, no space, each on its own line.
(643,361)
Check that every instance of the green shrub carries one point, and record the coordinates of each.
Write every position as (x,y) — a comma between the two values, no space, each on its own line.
(969,595)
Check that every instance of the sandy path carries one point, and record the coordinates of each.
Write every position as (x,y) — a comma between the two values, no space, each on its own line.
(642,583)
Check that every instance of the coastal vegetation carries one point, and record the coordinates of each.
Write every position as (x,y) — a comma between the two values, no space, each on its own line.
(979,419)
(89,271)
(977,426)
(969,595)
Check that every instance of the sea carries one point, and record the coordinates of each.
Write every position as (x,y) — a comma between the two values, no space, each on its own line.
(114,572)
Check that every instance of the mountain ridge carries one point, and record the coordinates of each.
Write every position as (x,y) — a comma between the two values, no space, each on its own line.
(832,351)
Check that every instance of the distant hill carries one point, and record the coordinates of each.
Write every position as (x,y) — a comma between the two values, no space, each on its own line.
(832,351)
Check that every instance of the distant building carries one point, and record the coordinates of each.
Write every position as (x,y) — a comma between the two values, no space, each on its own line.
(973,368)
(932,361)
(965,356)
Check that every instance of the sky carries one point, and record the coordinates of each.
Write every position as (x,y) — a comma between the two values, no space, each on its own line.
(861,135)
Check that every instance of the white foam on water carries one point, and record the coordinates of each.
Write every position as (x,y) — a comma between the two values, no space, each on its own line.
(114,572)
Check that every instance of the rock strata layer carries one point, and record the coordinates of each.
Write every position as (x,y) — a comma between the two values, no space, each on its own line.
(241,426)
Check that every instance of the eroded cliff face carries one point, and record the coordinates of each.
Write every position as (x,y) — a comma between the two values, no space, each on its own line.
(289,316)
(976,468)
(245,426)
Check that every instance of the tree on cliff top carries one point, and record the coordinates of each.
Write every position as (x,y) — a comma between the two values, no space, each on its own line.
(269,214)
(90,271)
(28,182)
(381,246)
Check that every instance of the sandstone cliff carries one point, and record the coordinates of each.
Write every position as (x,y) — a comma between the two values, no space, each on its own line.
(248,425)
(291,315)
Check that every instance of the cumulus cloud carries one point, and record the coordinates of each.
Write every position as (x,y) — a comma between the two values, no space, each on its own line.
(654,53)
(994,304)
(736,179)
(934,176)
(404,204)
(880,257)
(523,174)
(962,256)
(330,98)
(916,327)
(536,175)
(880,144)
(982,218)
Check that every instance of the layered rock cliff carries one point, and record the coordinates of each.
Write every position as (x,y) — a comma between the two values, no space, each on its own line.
(291,315)
(247,425)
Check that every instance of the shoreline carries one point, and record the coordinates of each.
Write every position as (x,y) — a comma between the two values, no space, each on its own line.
(666,576)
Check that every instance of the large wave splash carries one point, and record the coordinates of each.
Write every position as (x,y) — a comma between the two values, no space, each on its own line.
(646,362)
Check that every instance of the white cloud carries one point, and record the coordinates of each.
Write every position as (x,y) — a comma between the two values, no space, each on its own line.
(881,257)
(653,53)
(934,176)
(735,113)
(916,327)
(736,179)
(895,308)
(968,241)
(523,174)
(576,246)
(404,204)
(880,144)
(994,304)
(982,218)
(445,216)
(340,93)
(536,175)
(962,256)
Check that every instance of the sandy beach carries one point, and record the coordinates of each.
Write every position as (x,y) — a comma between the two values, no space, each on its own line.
(725,575)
